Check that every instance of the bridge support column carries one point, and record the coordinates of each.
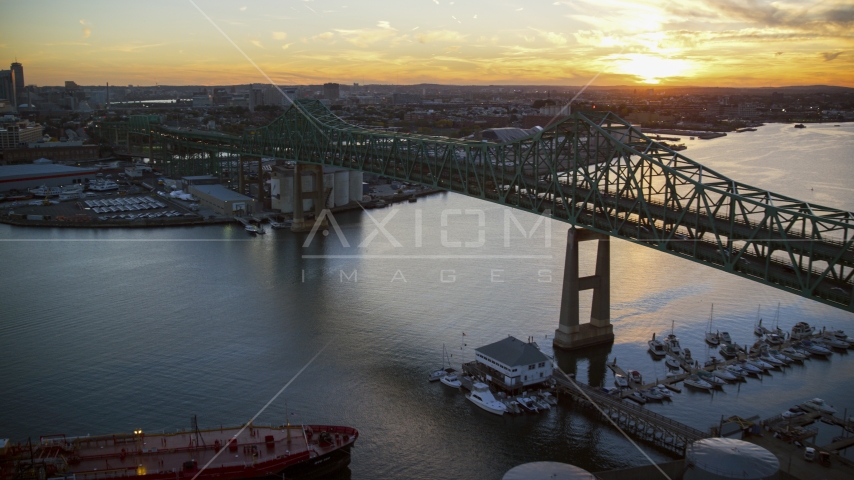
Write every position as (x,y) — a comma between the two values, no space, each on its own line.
(570,333)
(317,194)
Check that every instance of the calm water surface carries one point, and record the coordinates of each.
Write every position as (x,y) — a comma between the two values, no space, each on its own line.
(115,330)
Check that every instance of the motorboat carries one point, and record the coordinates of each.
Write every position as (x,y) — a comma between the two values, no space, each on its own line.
(512,406)
(696,382)
(759,330)
(277,225)
(620,381)
(831,341)
(451,381)
(104,186)
(819,405)
(802,331)
(541,403)
(725,338)
(254,229)
(549,398)
(672,362)
(815,348)
(793,412)
(483,398)
(637,397)
(437,375)
(636,377)
(750,368)
(610,391)
(728,350)
(734,370)
(766,357)
(759,363)
(685,354)
(712,338)
(45,191)
(528,404)
(673,344)
(724,375)
(674,373)
(657,347)
(795,354)
(664,391)
(713,360)
(840,335)
(774,353)
(653,393)
(773,339)
(711,379)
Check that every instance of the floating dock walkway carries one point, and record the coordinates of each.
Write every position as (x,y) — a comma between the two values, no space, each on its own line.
(639,422)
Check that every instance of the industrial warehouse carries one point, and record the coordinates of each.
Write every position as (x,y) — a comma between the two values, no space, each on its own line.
(23,177)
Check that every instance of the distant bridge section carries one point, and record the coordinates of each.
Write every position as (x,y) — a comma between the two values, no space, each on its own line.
(594,171)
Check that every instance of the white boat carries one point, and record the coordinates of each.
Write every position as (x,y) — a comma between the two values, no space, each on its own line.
(104,186)
(834,342)
(637,397)
(437,375)
(712,338)
(45,191)
(815,348)
(656,347)
(541,403)
(549,398)
(672,362)
(636,377)
(620,381)
(794,354)
(528,404)
(483,398)
(802,331)
(728,350)
(451,381)
(780,356)
(725,338)
(749,368)
(820,405)
(696,382)
(72,189)
(685,355)
(673,343)
(664,391)
(277,225)
(724,375)
(773,339)
(758,363)
(652,393)
(840,335)
(512,406)
(736,371)
(711,379)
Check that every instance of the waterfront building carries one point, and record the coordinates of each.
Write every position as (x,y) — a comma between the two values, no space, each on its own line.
(514,363)
(24,177)
(346,187)
(222,200)
(57,151)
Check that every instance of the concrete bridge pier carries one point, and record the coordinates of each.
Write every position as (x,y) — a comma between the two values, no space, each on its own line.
(317,194)
(571,334)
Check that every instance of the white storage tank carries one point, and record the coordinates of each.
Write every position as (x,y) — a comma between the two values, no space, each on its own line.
(547,471)
(356,185)
(329,182)
(342,188)
(728,458)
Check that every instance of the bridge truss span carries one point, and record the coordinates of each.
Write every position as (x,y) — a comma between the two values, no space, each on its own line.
(594,171)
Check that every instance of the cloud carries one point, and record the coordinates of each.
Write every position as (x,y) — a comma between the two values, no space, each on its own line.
(242,9)
(280,35)
(323,36)
(440,36)
(555,38)
(257,43)
(365,36)
(87,32)
(384,24)
(285,46)
(828,56)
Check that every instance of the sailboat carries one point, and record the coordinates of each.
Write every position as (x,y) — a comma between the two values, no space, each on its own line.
(759,330)
(438,374)
(712,338)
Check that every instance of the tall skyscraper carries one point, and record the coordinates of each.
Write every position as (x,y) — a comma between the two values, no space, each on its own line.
(7,87)
(18,72)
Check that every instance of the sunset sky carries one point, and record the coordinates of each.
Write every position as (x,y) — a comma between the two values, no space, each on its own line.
(685,42)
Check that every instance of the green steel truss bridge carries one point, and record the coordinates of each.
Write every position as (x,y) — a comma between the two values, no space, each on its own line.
(593,171)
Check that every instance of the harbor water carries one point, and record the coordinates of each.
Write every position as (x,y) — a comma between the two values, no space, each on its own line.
(106,331)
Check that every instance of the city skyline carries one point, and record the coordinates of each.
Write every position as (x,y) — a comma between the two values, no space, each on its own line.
(640,43)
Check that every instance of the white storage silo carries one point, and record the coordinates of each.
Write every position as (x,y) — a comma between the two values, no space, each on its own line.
(727,458)
(329,182)
(547,471)
(342,187)
(356,180)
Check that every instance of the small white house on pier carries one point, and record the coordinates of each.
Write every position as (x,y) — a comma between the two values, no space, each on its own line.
(515,363)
